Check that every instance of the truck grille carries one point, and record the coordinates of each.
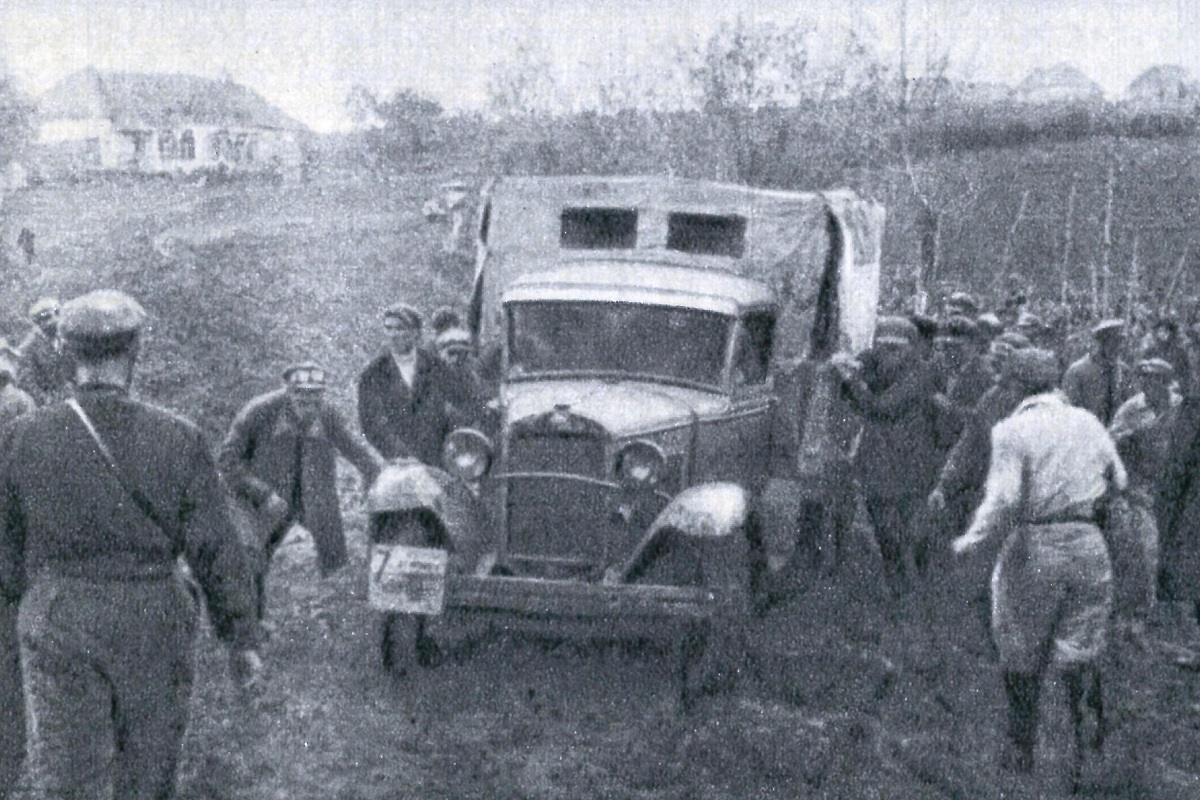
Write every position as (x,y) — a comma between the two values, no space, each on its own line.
(571,454)
(559,518)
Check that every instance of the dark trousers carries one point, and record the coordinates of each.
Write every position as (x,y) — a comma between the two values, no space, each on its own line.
(12,701)
(892,518)
(108,677)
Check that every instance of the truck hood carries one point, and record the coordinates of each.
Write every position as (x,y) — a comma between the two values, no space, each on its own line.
(623,409)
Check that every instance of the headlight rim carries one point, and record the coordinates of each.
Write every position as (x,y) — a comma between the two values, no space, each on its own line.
(656,476)
(485,449)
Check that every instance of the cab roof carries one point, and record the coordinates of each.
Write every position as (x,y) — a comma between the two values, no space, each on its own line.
(649,283)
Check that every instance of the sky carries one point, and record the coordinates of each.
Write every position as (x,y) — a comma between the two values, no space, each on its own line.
(305,56)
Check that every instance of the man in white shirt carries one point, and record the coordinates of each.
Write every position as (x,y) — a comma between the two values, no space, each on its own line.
(1052,585)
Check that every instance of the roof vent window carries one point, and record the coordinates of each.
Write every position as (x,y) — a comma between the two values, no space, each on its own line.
(599,229)
(707,234)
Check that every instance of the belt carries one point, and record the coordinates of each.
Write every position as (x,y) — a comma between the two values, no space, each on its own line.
(1063,519)
(109,570)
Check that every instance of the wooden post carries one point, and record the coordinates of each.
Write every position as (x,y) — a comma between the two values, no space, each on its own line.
(1131,289)
(1170,293)
(1007,256)
(1068,237)
(1106,241)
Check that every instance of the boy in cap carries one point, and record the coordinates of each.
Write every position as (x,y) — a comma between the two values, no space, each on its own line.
(99,498)
(402,393)
(1099,382)
(280,457)
(44,372)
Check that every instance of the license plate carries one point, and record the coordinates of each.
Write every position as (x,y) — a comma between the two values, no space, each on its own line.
(411,580)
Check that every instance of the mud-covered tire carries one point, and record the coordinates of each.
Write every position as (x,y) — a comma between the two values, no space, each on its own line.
(404,644)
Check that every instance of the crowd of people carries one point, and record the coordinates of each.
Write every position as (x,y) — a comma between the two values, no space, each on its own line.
(1076,463)
(1068,457)
(103,495)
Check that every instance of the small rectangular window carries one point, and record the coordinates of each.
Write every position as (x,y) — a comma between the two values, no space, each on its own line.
(599,228)
(707,234)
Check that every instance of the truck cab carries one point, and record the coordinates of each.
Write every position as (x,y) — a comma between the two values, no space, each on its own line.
(636,401)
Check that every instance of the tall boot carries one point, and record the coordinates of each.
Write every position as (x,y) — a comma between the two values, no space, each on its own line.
(1095,701)
(1023,690)
(1073,681)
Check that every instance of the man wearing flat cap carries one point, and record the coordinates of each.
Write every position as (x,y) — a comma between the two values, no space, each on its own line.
(897,459)
(1142,428)
(43,372)
(402,393)
(100,496)
(1052,465)
(280,459)
(1099,382)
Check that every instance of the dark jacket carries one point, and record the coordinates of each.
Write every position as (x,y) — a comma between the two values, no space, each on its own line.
(1179,508)
(963,392)
(898,455)
(399,422)
(62,508)
(1099,388)
(43,371)
(258,458)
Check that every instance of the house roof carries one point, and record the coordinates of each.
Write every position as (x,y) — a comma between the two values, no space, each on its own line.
(133,100)
(1059,76)
(1164,81)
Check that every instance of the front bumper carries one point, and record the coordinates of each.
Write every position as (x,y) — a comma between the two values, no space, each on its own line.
(566,598)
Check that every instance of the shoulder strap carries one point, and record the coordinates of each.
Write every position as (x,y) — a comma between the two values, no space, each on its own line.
(140,500)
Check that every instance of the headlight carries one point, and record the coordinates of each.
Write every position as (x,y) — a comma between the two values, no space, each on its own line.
(467,454)
(640,463)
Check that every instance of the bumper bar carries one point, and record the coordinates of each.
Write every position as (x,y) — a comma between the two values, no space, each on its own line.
(572,598)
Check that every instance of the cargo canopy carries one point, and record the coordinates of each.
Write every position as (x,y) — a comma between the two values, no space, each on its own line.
(795,243)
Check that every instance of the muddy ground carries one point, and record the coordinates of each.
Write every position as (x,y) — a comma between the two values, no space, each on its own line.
(845,693)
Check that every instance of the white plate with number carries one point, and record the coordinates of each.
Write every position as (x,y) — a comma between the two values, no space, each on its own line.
(411,580)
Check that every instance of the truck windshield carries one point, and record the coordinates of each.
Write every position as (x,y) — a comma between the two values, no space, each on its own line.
(676,344)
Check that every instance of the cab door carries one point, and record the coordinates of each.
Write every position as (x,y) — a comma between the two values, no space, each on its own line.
(734,446)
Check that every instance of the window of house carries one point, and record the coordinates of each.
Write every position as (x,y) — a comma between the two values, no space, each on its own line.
(707,234)
(167,145)
(187,146)
(599,228)
(752,361)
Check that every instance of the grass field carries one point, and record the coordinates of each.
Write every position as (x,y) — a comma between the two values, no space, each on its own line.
(848,695)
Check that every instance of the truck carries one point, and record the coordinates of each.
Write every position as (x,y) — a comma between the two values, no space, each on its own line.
(639,325)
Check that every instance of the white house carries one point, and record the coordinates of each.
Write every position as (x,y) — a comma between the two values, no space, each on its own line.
(154,123)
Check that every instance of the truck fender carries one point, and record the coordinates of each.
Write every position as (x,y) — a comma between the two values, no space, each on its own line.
(716,520)
(410,486)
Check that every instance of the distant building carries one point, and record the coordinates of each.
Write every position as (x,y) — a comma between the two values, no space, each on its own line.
(1062,83)
(156,124)
(1164,86)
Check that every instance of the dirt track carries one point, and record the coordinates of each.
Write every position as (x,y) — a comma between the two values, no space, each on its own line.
(846,694)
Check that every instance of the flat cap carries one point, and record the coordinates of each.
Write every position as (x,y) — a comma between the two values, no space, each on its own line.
(1034,367)
(101,314)
(401,315)
(895,330)
(452,338)
(1155,366)
(990,324)
(926,326)
(43,306)
(305,375)
(963,303)
(1028,320)
(1109,327)
(958,326)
